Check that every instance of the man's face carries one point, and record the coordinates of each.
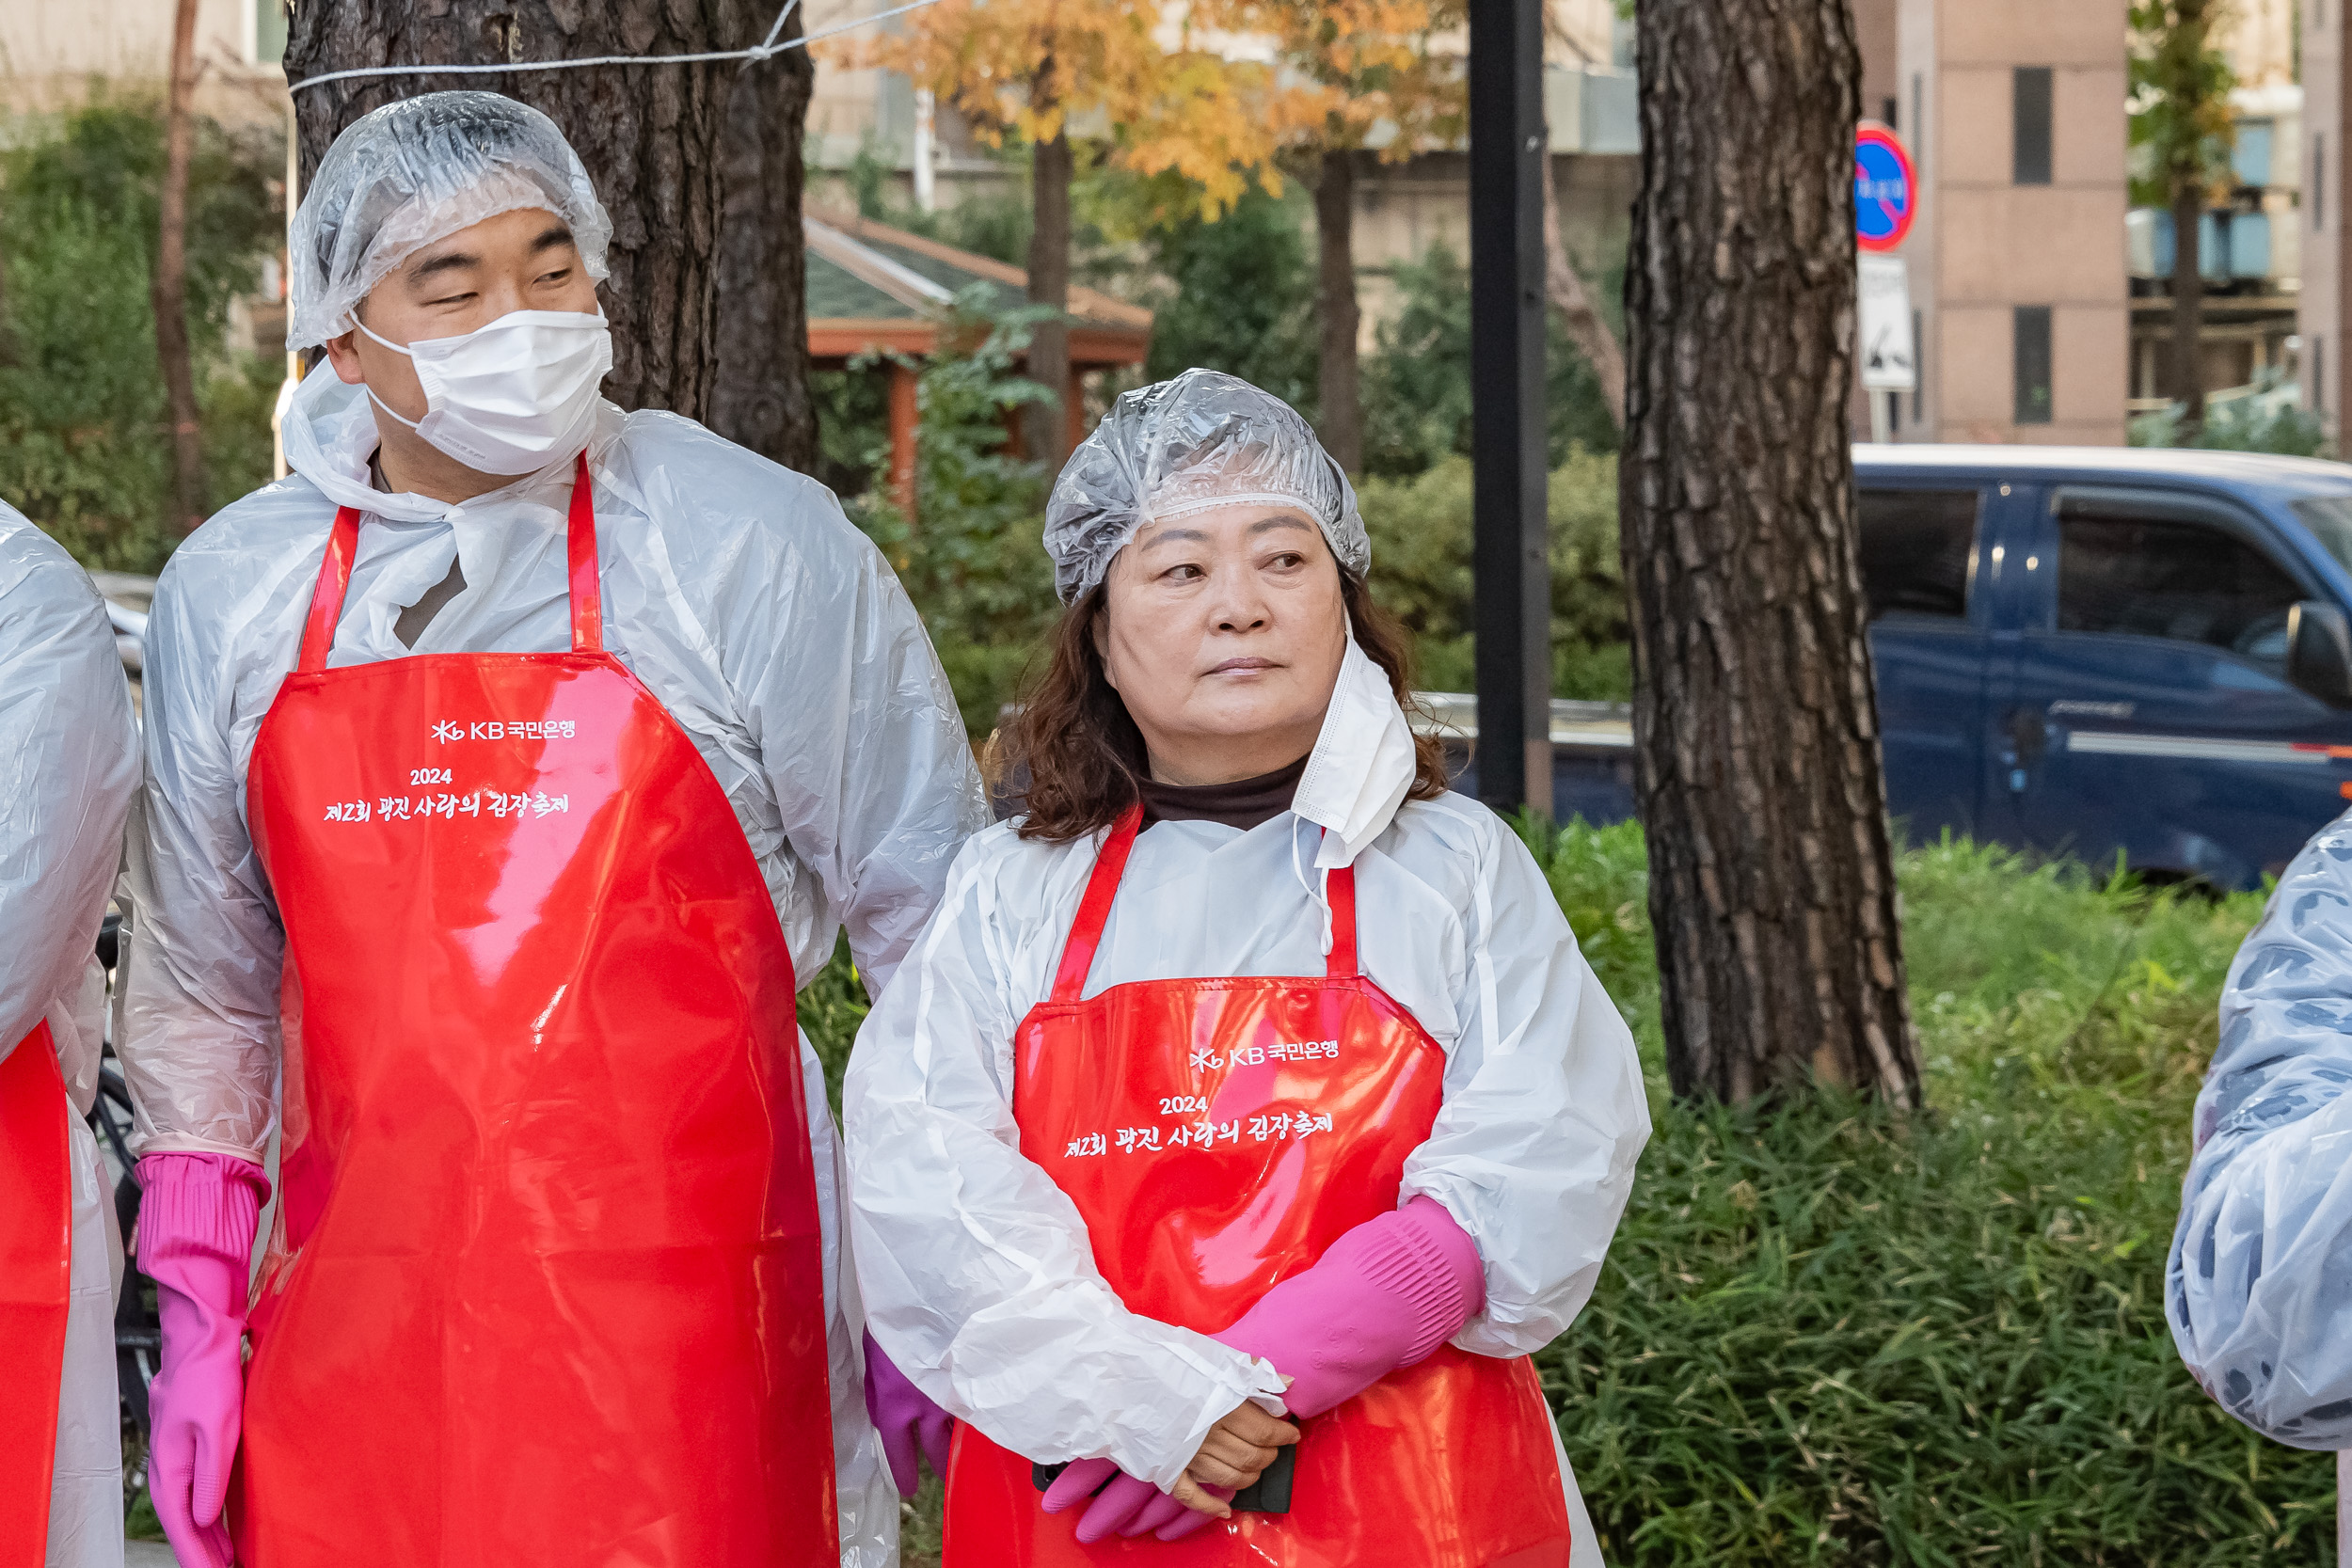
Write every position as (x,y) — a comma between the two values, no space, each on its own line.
(518,261)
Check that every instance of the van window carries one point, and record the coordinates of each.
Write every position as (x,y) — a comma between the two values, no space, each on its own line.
(2329,519)
(1917,546)
(2179,580)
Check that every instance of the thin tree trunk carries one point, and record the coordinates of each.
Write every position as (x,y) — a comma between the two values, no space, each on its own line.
(650,135)
(760,396)
(1588,329)
(1757,748)
(2189,304)
(168,289)
(1335,309)
(1045,425)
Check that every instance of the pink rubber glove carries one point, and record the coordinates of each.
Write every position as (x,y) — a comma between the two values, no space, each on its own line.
(196,1217)
(907,1420)
(1383,1297)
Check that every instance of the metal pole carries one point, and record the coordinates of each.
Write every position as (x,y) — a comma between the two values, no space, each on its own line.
(1512,557)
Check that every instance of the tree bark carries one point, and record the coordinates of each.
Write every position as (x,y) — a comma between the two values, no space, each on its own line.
(2189,304)
(168,288)
(760,395)
(651,136)
(1336,313)
(1588,329)
(1045,425)
(1757,748)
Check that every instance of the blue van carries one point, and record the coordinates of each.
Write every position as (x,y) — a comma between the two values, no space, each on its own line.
(2088,651)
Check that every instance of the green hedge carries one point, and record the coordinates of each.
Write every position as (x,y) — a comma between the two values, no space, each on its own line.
(1829,1335)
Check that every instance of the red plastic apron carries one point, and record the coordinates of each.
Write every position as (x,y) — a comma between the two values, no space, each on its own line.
(1218,1135)
(36,1276)
(546,1283)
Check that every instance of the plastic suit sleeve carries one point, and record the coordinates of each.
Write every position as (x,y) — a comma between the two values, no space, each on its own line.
(876,786)
(1545,1112)
(2259,1284)
(979,1279)
(199,1038)
(68,765)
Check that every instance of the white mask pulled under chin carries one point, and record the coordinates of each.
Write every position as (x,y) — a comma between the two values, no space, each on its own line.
(1363,764)
(512,397)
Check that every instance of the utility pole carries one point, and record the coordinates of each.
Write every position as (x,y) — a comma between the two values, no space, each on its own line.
(1512,555)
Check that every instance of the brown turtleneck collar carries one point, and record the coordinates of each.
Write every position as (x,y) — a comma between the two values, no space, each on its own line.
(1243,804)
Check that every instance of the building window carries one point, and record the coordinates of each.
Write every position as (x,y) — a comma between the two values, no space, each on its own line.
(2031,332)
(269,31)
(2319,177)
(2319,375)
(2029,122)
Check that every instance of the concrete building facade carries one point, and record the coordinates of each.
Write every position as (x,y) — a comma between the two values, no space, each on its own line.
(2320,315)
(2014,113)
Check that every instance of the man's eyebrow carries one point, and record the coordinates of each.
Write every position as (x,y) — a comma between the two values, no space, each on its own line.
(552,237)
(448,260)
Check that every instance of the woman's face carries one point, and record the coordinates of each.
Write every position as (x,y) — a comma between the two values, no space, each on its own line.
(1222,632)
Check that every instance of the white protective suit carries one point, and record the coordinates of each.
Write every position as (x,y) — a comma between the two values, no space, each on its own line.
(978,1277)
(68,761)
(769,627)
(2259,1285)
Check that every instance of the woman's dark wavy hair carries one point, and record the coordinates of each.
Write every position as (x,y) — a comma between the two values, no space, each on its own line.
(1083,756)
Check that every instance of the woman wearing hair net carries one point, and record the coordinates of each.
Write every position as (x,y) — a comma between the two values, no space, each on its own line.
(2260,1279)
(68,760)
(505,767)
(1246,1113)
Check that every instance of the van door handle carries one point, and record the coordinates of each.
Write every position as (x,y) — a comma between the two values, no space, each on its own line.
(2029,737)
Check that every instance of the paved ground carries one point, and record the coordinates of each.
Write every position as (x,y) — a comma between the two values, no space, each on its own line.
(148,1554)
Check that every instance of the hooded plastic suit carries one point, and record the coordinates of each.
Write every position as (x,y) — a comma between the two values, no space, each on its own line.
(2258,1286)
(68,766)
(978,1275)
(736,591)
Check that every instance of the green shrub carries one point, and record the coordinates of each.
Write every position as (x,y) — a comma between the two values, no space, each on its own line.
(83,447)
(1420,529)
(970,558)
(1829,1335)
(1416,384)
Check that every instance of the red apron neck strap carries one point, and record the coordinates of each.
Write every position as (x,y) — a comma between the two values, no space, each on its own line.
(343,548)
(327,599)
(587,595)
(1085,932)
(1340,888)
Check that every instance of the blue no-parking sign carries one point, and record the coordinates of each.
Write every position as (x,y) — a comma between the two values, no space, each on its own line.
(1885,191)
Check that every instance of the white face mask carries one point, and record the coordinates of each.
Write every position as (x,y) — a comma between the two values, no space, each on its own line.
(512,397)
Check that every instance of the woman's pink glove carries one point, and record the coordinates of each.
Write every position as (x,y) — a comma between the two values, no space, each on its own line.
(1383,1296)
(197,1214)
(907,1420)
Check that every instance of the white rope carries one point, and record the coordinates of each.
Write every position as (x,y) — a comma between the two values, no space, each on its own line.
(761,51)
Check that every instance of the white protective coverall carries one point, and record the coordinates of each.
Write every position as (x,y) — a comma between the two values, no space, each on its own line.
(68,761)
(770,629)
(2259,1285)
(978,1277)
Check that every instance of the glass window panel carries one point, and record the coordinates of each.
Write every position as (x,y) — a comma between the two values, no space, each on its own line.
(1916,549)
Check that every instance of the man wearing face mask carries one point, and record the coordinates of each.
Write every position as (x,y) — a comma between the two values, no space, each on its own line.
(505,765)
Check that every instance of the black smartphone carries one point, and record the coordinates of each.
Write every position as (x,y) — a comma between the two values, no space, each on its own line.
(1269,1494)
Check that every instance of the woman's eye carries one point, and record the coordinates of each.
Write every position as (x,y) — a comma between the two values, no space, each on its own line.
(1285,561)
(1183,574)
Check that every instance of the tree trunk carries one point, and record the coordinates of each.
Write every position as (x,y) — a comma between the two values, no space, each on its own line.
(651,136)
(1757,748)
(2188,304)
(1335,310)
(1588,329)
(760,396)
(1045,425)
(168,289)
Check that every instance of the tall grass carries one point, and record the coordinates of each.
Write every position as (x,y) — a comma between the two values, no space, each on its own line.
(1829,1335)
